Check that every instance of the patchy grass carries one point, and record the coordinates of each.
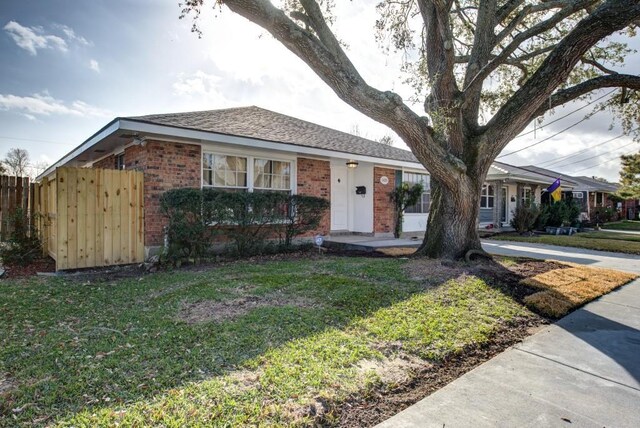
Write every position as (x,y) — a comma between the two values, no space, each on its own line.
(601,241)
(623,225)
(566,289)
(284,343)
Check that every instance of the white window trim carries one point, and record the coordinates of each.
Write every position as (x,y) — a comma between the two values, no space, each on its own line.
(293,178)
(482,195)
(416,171)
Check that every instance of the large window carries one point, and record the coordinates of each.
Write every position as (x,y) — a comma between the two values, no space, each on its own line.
(246,173)
(423,205)
(271,175)
(224,171)
(487,196)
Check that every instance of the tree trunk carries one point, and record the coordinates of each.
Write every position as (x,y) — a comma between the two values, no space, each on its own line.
(452,225)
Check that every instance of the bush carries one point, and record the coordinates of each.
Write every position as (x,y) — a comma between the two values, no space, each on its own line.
(404,196)
(524,217)
(561,213)
(603,215)
(248,220)
(23,245)
(304,213)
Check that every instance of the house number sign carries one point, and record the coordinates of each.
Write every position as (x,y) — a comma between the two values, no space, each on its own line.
(384,180)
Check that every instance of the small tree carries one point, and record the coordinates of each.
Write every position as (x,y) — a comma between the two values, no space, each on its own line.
(24,245)
(629,177)
(17,162)
(404,196)
(525,217)
(303,214)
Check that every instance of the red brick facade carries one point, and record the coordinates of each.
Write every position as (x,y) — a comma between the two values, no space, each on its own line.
(165,166)
(383,211)
(314,179)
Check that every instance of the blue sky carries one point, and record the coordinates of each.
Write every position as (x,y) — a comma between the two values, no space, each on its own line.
(68,67)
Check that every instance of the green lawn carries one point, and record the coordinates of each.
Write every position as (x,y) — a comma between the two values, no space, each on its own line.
(633,225)
(600,240)
(84,354)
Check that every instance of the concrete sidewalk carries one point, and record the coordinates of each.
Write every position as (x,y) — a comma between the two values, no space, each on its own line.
(583,371)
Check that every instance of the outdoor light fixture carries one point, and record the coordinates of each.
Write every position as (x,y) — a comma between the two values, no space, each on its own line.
(352,164)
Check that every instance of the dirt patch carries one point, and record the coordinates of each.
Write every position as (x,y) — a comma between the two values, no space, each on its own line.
(383,403)
(6,384)
(393,371)
(218,311)
(13,271)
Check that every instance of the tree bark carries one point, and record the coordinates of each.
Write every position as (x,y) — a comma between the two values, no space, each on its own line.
(452,225)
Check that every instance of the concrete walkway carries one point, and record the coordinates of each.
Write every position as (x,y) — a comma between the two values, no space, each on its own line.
(583,371)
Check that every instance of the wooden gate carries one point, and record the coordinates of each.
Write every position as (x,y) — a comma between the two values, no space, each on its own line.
(14,193)
(91,217)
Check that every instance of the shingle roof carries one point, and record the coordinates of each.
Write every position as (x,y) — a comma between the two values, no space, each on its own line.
(258,123)
(582,182)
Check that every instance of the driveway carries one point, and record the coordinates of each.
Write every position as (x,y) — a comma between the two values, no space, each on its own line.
(583,371)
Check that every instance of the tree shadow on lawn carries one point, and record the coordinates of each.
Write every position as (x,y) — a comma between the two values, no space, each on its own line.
(85,348)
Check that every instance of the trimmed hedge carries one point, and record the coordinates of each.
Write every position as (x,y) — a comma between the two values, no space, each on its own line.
(197,217)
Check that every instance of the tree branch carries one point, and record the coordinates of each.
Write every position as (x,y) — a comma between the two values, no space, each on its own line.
(543,26)
(519,110)
(326,58)
(569,94)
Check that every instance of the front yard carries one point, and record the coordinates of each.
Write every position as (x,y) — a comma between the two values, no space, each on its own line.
(623,225)
(276,343)
(598,240)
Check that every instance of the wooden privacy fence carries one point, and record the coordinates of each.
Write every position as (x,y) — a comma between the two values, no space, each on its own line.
(14,193)
(91,217)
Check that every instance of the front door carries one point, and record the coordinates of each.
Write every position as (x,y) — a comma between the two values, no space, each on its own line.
(339,198)
(504,203)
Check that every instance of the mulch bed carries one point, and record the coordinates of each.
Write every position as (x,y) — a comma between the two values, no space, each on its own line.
(40,265)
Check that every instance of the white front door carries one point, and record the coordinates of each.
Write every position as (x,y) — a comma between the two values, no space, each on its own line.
(339,198)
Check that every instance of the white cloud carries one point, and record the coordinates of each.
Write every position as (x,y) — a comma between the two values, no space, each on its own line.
(94,65)
(202,90)
(32,38)
(43,104)
(71,35)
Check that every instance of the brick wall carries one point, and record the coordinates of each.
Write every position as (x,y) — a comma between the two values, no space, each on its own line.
(383,212)
(165,166)
(106,163)
(314,179)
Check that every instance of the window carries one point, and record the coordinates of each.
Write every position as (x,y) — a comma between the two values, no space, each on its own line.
(487,196)
(527,196)
(119,161)
(599,198)
(423,205)
(578,195)
(224,171)
(271,175)
(246,173)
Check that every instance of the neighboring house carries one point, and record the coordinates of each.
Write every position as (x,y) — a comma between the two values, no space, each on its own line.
(507,188)
(253,149)
(588,192)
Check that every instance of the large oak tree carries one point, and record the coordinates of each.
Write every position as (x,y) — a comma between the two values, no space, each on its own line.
(507,61)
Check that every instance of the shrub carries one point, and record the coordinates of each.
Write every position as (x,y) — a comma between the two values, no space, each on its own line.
(188,231)
(23,245)
(524,217)
(248,220)
(304,213)
(561,213)
(404,196)
(603,215)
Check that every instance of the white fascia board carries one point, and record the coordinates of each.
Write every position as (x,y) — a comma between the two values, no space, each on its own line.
(213,137)
(95,139)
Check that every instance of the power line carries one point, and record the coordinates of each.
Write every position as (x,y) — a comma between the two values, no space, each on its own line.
(592,157)
(607,161)
(548,138)
(33,139)
(566,115)
(562,158)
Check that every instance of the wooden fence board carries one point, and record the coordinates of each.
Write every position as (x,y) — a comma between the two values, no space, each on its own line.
(91,217)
